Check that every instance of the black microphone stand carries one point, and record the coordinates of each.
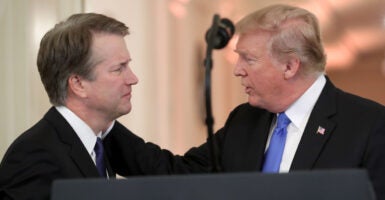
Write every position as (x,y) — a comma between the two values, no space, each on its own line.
(213,146)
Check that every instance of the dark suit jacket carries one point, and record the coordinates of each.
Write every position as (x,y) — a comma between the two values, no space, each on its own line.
(48,151)
(354,138)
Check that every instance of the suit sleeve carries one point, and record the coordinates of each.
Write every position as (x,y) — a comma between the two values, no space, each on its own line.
(131,155)
(26,172)
(375,156)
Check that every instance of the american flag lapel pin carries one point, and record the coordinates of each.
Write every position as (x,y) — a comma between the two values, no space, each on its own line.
(321,130)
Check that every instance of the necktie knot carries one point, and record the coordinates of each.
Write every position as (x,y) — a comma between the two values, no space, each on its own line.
(99,160)
(99,146)
(283,121)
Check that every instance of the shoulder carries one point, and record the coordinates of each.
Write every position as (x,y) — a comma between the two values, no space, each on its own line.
(29,164)
(357,103)
(39,134)
(32,143)
(348,102)
(247,109)
(36,144)
(246,114)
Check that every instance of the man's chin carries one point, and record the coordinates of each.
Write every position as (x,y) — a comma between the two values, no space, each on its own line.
(253,102)
(126,111)
(254,105)
(123,111)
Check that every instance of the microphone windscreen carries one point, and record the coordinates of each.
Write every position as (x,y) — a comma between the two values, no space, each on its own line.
(224,33)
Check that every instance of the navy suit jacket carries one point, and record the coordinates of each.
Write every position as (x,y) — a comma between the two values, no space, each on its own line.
(48,151)
(354,137)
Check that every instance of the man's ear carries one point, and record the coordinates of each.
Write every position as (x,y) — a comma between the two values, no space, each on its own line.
(76,85)
(292,66)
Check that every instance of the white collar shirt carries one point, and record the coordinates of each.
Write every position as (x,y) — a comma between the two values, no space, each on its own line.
(298,113)
(83,131)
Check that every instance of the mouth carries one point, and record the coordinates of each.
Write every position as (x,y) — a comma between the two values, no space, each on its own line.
(128,95)
(247,89)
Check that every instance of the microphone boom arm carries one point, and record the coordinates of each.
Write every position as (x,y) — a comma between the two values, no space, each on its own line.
(208,62)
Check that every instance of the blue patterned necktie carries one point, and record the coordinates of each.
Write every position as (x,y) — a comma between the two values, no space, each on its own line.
(273,155)
(99,151)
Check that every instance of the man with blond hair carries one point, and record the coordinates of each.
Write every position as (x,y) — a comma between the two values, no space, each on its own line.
(295,118)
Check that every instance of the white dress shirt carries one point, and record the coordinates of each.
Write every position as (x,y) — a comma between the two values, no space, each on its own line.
(84,132)
(298,113)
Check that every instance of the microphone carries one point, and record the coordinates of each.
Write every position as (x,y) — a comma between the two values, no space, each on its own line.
(217,37)
(220,33)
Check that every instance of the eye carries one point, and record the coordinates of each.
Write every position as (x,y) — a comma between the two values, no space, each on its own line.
(250,60)
(120,68)
(246,58)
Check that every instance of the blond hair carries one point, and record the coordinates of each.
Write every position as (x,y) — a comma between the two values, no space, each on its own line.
(292,30)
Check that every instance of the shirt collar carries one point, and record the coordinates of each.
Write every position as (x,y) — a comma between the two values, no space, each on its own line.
(84,132)
(108,130)
(303,106)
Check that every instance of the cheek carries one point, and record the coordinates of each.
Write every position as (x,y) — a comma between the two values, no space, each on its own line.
(104,90)
(257,77)
(106,85)
(263,81)
(111,91)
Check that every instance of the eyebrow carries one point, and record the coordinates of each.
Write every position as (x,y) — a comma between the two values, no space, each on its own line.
(245,53)
(126,61)
(240,51)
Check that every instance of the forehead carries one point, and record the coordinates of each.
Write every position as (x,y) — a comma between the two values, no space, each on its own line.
(109,46)
(108,42)
(252,42)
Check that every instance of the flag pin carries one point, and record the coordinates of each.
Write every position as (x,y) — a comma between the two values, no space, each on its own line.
(321,130)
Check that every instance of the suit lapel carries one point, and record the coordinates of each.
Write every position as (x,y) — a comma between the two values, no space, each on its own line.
(246,139)
(77,152)
(318,130)
(111,173)
(83,160)
(261,134)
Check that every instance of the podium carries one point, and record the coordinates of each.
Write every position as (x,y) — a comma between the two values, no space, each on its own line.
(298,185)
